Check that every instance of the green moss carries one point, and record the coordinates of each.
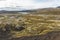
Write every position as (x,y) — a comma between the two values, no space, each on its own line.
(34,25)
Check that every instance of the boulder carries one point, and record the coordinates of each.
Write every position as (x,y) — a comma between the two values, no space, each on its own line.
(19,28)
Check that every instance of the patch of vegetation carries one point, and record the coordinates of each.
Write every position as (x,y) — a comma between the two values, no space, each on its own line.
(29,24)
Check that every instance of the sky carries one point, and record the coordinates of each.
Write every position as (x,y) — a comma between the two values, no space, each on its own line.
(29,4)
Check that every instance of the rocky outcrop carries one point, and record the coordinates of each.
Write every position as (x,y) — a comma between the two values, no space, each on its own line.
(5,32)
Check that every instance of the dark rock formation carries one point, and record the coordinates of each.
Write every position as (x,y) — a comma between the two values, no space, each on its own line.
(8,27)
(4,35)
(19,28)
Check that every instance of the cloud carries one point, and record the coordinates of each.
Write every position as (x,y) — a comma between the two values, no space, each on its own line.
(30,4)
(2,0)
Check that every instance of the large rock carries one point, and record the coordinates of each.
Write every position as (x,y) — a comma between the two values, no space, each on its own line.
(4,35)
(19,28)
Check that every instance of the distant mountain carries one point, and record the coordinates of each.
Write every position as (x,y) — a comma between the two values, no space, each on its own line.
(44,11)
(17,8)
(13,10)
(47,11)
(58,7)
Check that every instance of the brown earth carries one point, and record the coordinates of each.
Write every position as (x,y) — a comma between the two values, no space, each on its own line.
(55,35)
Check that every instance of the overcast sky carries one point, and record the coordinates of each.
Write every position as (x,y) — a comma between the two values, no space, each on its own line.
(29,4)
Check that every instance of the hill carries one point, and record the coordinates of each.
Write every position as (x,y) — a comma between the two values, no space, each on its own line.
(44,22)
(47,11)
